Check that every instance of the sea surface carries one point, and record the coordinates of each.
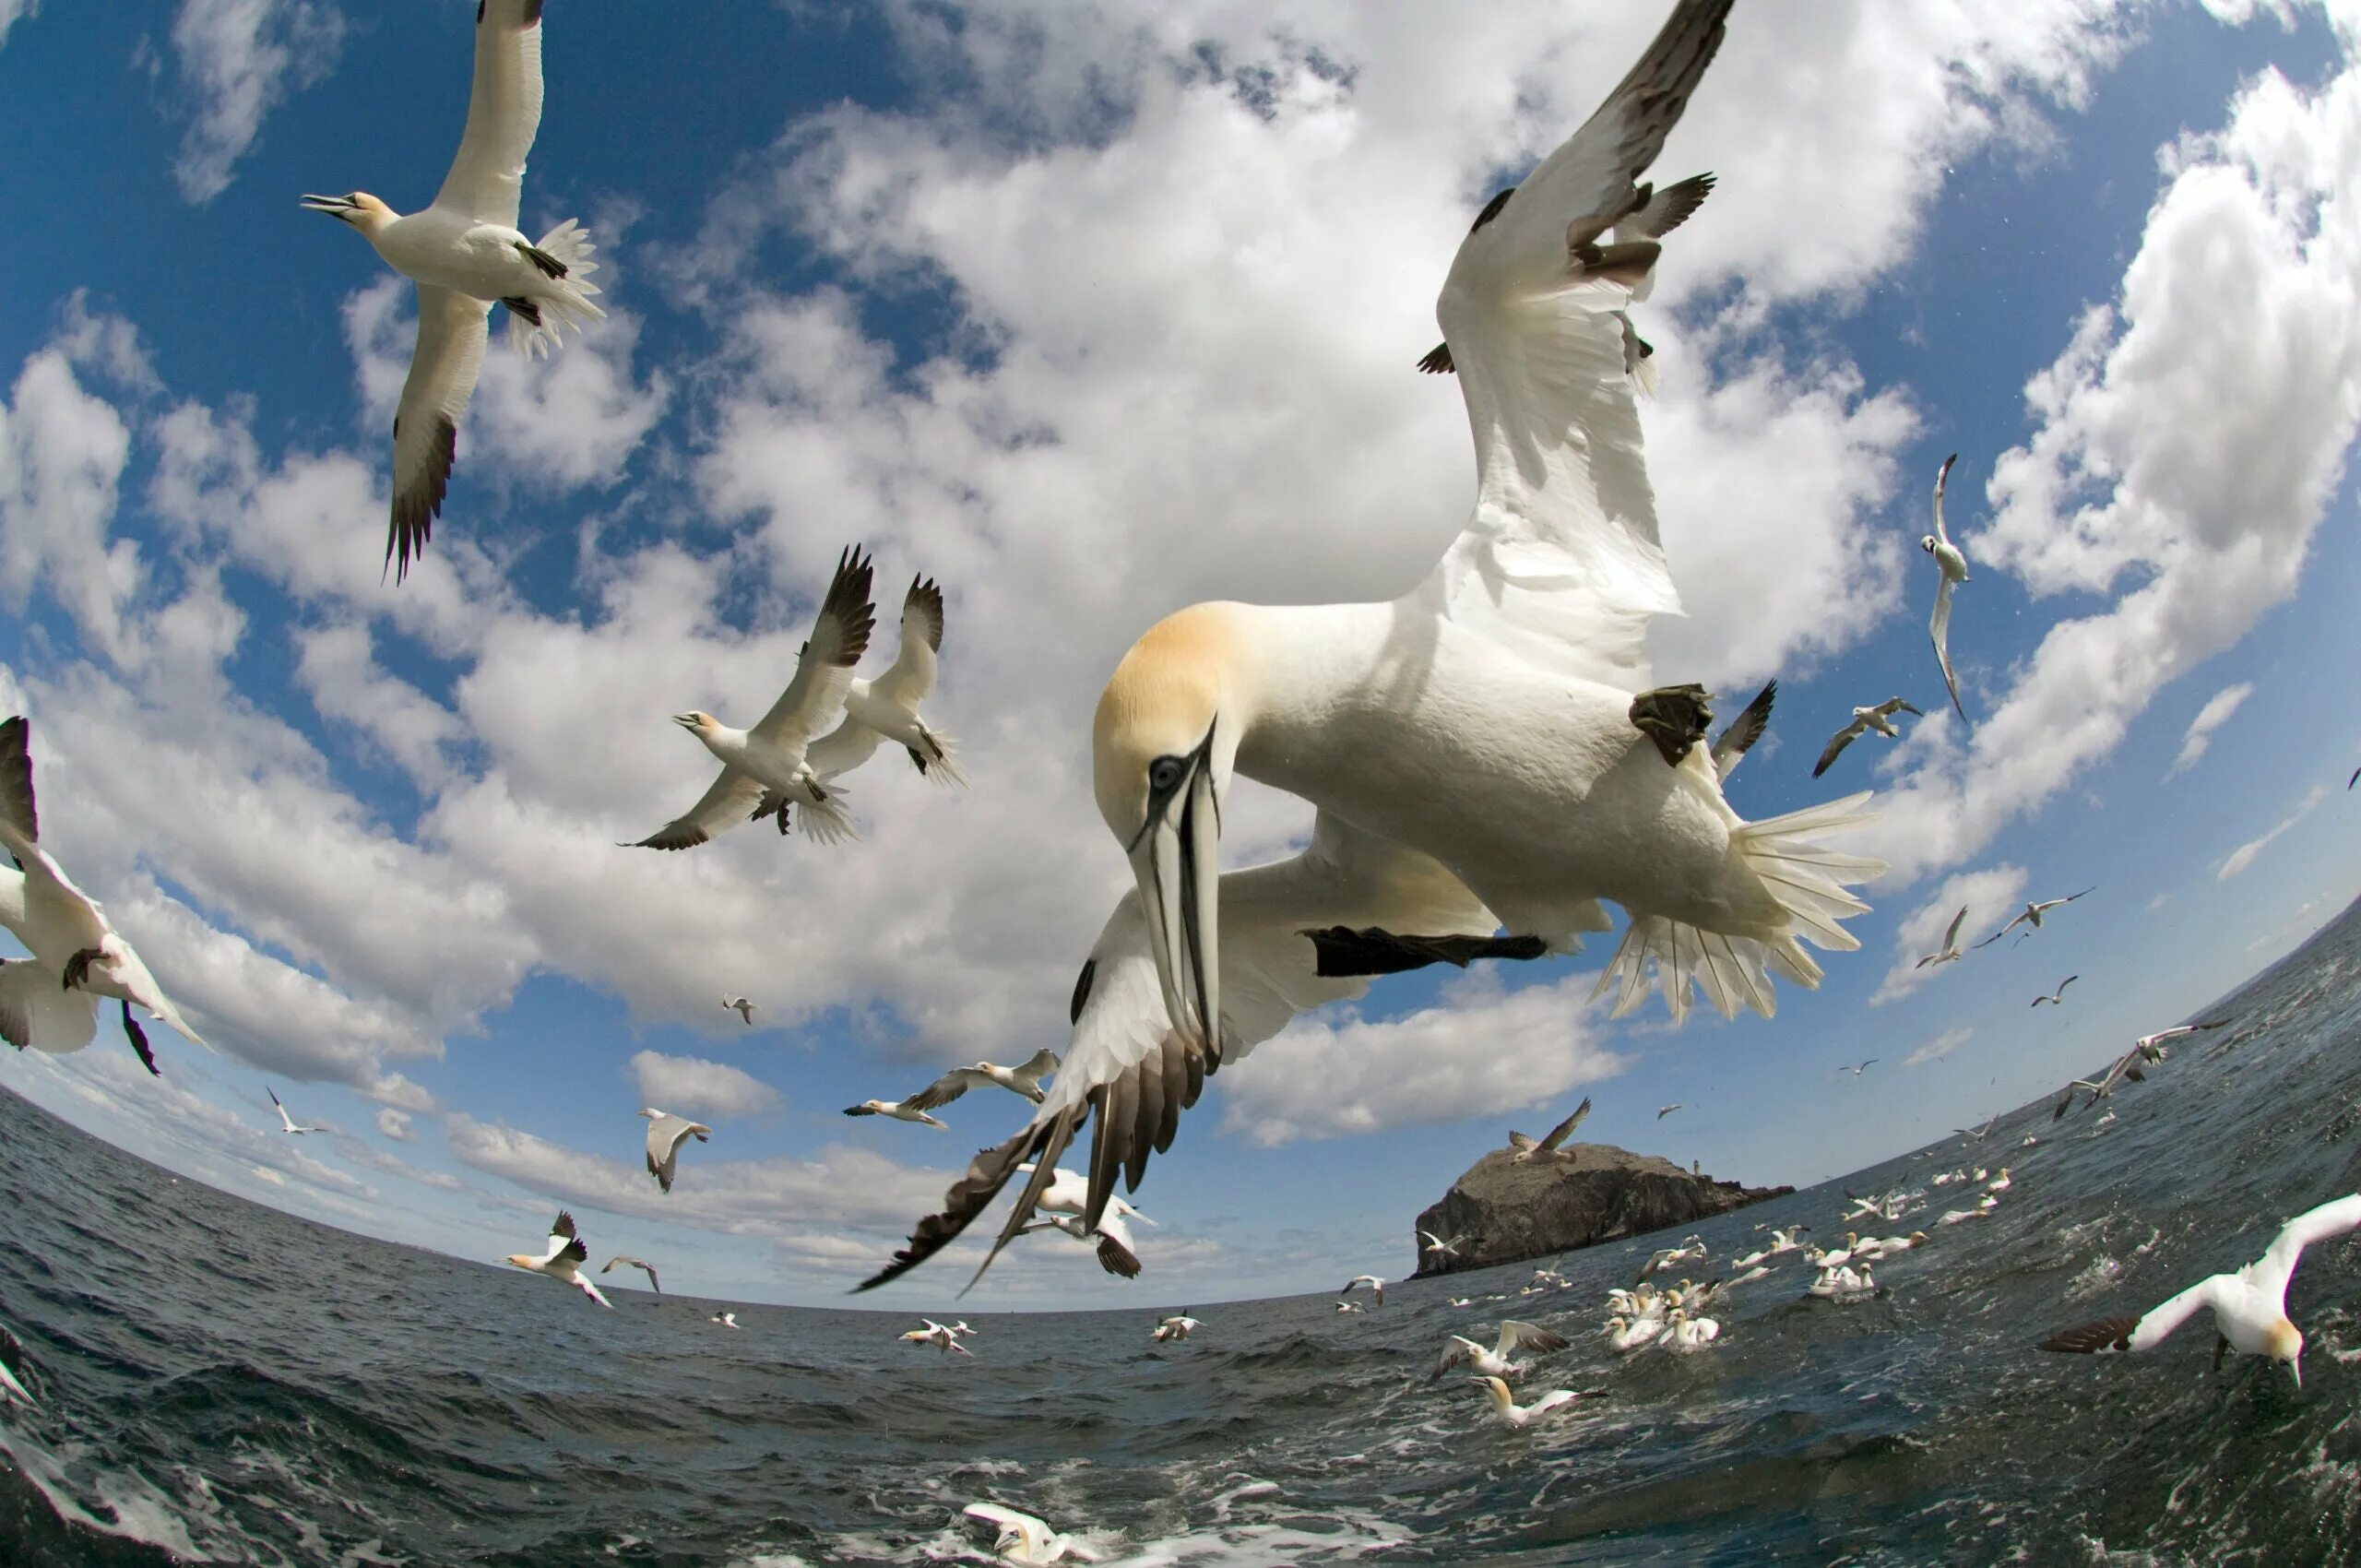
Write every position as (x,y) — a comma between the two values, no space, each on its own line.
(221,1382)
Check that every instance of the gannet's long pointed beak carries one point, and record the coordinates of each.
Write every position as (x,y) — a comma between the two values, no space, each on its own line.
(335,206)
(685,721)
(2296,1370)
(1176,860)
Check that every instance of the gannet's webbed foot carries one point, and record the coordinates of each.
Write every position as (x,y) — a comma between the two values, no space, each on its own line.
(781,816)
(2220,1349)
(78,968)
(138,1038)
(524,309)
(918,759)
(1675,717)
(1343,951)
(551,266)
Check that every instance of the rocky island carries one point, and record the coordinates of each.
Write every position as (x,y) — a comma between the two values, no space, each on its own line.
(1511,1212)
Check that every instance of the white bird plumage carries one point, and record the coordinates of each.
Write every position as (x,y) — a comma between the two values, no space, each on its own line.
(666,1133)
(566,1253)
(1023,1079)
(1512,1414)
(1864,719)
(1026,1541)
(886,708)
(619,1261)
(285,1122)
(1951,951)
(1494,1360)
(1524,1150)
(1950,567)
(2032,914)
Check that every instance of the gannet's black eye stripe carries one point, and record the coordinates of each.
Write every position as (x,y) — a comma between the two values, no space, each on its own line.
(1165,773)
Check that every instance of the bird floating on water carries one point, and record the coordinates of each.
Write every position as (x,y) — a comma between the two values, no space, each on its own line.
(666,1133)
(1523,1149)
(886,708)
(1950,567)
(1180,1326)
(285,1122)
(2250,1306)
(1880,718)
(465,253)
(647,1268)
(766,770)
(2033,913)
(727,1320)
(1512,1414)
(1494,1360)
(567,1253)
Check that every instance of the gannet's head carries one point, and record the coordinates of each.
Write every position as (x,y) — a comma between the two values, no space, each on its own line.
(524,1260)
(1916,1237)
(651,1112)
(1928,544)
(1160,752)
(2283,1341)
(359,209)
(697,722)
(1497,1389)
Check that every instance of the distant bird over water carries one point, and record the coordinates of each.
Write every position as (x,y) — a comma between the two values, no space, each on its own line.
(285,1122)
(1023,1079)
(567,1253)
(2056,998)
(1523,1149)
(899,1109)
(647,1268)
(745,1008)
(2032,914)
(463,253)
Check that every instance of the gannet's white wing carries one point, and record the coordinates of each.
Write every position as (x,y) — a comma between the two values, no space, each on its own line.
(1039,1065)
(946,1089)
(911,678)
(487,178)
(1836,744)
(1564,1130)
(823,671)
(1022,1531)
(452,331)
(36,1012)
(1561,557)
(2270,1271)
(564,1238)
(2144,1332)
(729,801)
(1939,628)
(842,749)
(647,1268)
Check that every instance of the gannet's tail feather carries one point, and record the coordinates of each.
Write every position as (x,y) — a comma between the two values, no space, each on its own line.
(825,820)
(567,301)
(1809,884)
(937,757)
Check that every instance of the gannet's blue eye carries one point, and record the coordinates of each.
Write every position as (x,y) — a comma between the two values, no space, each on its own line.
(1164,774)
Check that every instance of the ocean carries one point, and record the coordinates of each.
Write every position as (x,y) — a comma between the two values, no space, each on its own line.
(221,1382)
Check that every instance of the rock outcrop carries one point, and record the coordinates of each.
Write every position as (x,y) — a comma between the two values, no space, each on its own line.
(1511,1212)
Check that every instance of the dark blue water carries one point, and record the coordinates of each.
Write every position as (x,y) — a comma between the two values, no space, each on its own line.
(222,1383)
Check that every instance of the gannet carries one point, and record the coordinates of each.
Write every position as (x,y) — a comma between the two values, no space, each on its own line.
(764,770)
(1788,1240)
(1634,1334)
(727,1320)
(745,1008)
(888,708)
(1857,1070)
(2103,1120)
(1437,1247)
(1983,1207)
(1297,932)
(465,253)
(1876,1247)
(2056,998)
(1976,1135)
(1026,1541)
(285,1122)
(1376,1287)
(2131,1067)
(1880,718)
(937,1335)
(1180,1326)
(1515,755)
(1549,1276)
(1517,1415)
(1950,953)
(13,1367)
(1665,1111)
(1683,1332)
(1118,1254)
(1523,1149)
(1951,568)
(45,1002)
(1689,1251)
(1514,1336)
(899,1109)
(1832,1257)
(648,1270)
(2033,912)
(1064,1201)
(2249,1307)
(1999,1184)
(566,1252)
(1350,1307)
(666,1133)
(1745,730)
(1024,1079)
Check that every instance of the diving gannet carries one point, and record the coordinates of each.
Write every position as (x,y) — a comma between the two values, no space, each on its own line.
(938,1334)
(647,1268)
(1950,953)
(764,770)
(666,1133)
(1180,1326)
(1951,568)
(886,708)
(1525,1149)
(2033,912)
(1516,757)
(1514,1336)
(45,1003)
(727,1320)
(2056,998)
(1376,1287)
(567,1251)
(899,1109)
(2249,1307)
(465,253)
(746,1009)
(1880,718)
(1026,1541)
(1517,1415)
(286,1122)
(1024,1079)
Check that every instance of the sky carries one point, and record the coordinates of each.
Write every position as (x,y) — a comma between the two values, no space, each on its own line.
(1090,315)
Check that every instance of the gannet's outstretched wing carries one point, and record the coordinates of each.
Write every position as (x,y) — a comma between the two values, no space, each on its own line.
(487,177)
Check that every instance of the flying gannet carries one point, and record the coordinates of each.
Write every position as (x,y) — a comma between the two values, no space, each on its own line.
(727,1320)
(1350,1307)
(1690,1249)
(1026,1541)
(1531,755)
(766,769)
(2131,1067)
(1515,1415)
(285,1122)
(2249,1307)
(1950,952)
(1514,1336)
(1024,1079)
(2056,998)
(567,1252)
(1314,928)
(1856,1069)
(899,1109)
(45,1002)
(648,1270)
(1745,730)
(1880,718)
(938,1334)
(1376,1287)
(1951,568)
(1437,1247)
(1118,1254)
(465,253)
(2033,913)
(666,1133)
(886,708)
(745,1008)
(1523,1149)
(1665,1111)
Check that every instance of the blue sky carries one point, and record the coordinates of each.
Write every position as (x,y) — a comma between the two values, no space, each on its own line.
(1092,317)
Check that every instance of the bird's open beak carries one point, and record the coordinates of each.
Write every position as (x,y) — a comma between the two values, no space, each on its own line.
(1177,859)
(340,208)
(685,721)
